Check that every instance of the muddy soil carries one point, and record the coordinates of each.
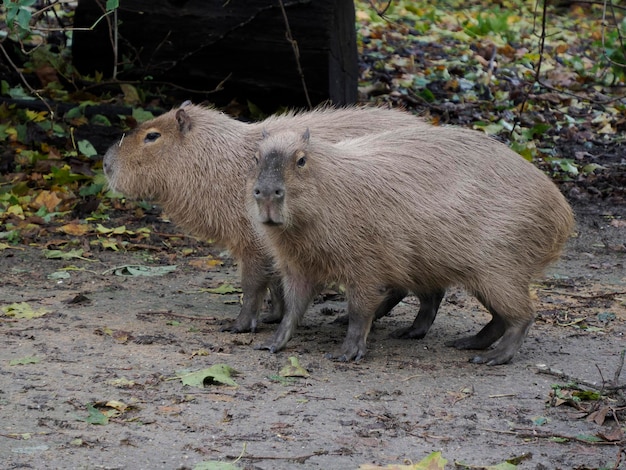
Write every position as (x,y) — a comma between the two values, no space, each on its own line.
(113,337)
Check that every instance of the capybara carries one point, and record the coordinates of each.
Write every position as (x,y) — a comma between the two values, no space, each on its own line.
(193,162)
(414,208)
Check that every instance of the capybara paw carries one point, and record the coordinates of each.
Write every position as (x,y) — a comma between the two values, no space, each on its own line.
(341,320)
(492,358)
(271,347)
(236,327)
(408,333)
(347,355)
(271,318)
(469,342)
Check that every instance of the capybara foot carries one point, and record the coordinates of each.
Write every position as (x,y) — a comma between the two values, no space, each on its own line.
(272,317)
(271,347)
(348,352)
(467,342)
(409,332)
(492,358)
(341,320)
(240,327)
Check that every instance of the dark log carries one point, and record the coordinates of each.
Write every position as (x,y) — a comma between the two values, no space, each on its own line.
(197,44)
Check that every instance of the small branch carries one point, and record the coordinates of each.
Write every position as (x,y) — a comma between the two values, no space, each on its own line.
(296,53)
(568,378)
(531,433)
(30,88)
(603,295)
(178,315)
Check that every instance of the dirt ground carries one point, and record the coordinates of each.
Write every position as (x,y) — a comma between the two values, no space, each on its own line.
(111,337)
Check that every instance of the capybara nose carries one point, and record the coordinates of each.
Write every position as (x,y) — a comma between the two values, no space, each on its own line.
(271,194)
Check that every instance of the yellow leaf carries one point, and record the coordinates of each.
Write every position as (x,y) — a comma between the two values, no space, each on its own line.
(49,199)
(23,310)
(75,229)
(16,211)
(36,116)
(130,94)
(206,263)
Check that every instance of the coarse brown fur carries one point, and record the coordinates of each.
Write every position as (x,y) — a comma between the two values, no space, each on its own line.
(414,208)
(193,162)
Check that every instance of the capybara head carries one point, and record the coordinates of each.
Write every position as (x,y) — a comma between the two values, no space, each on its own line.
(281,159)
(140,164)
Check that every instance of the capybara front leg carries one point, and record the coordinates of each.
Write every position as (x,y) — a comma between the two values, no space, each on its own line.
(298,293)
(429,305)
(254,282)
(361,311)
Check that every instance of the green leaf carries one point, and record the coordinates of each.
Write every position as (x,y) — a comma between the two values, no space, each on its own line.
(142,115)
(86,148)
(224,289)
(23,310)
(95,416)
(24,360)
(293,369)
(112,5)
(587,395)
(72,254)
(139,270)
(216,374)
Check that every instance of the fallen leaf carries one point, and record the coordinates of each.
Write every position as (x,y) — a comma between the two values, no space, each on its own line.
(23,310)
(140,270)
(433,461)
(293,369)
(95,416)
(72,254)
(24,360)
(49,199)
(75,229)
(216,374)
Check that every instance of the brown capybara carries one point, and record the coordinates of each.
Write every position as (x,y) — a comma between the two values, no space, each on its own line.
(193,162)
(414,208)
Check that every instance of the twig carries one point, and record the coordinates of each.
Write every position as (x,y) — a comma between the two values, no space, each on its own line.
(179,315)
(618,371)
(563,376)
(298,459)
(30,88)
(531,433)
(587,297)
(296,52)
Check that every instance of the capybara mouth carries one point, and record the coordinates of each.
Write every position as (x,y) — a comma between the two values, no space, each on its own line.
(272,223)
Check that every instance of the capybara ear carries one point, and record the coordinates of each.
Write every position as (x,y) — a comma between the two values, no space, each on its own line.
(185,103)
(184,121)
(264,134)
(306,136)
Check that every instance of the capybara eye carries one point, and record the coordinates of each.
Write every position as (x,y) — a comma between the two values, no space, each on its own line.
(301,162)
(151,137)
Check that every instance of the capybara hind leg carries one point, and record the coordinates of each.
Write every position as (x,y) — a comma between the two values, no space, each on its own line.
(513,314)
(429,305)
(506,348)
(394,297)
(490,333)
(277,298)
(254,283)
(298,293)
